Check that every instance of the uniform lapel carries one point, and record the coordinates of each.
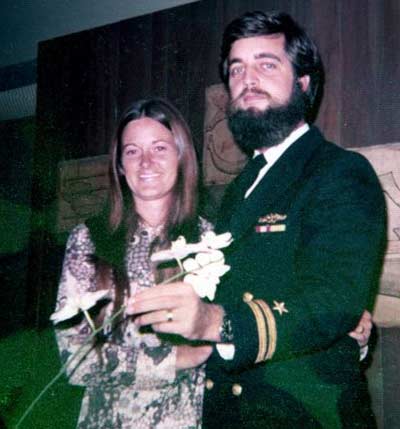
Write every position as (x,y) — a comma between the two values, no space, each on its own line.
(273,188)
(233,198)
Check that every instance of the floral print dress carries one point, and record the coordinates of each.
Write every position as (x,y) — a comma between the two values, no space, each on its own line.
(131,381)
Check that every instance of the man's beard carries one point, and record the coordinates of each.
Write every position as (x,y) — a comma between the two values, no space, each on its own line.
(253,129)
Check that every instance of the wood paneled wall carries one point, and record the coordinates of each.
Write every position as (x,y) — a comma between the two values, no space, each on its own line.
(85,79)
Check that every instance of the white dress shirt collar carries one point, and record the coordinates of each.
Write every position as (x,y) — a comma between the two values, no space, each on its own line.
(273,153)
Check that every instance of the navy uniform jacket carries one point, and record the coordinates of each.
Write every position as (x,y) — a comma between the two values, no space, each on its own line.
(305,263)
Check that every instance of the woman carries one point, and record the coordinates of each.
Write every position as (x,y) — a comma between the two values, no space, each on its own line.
(132,378)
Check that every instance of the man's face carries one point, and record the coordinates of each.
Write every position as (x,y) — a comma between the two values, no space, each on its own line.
(260,73)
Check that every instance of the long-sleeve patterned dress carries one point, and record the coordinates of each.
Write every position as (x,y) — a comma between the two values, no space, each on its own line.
(131,382)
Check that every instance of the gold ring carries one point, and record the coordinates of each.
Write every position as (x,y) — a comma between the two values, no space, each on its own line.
(170,316)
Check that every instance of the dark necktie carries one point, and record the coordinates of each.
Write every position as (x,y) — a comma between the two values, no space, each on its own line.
(246,179)
(250,173)
(234,197)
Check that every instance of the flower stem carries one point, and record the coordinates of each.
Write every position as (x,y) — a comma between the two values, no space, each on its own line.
(89,320)
(68,362)
(174,277)
(184,272)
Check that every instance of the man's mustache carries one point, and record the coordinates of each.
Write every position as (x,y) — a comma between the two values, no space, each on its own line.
(252,90)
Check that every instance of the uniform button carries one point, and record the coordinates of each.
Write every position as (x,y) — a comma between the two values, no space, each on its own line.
(247,297)
(209,384)
(237,389)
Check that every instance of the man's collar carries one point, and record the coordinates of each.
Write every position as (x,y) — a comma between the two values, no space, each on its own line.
(274,152)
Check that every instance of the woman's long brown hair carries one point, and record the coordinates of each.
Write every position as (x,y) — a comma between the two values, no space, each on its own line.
(120,219)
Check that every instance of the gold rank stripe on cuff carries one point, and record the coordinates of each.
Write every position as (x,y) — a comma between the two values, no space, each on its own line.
(261,329)
(266,328)
(271,327)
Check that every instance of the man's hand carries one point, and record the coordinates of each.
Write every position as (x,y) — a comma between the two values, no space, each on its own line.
(192,356)
(176,308)
(363,329)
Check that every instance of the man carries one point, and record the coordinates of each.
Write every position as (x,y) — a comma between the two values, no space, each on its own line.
(309,236)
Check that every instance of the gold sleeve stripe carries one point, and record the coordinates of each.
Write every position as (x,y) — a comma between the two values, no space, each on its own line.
(271,328)
(261,329)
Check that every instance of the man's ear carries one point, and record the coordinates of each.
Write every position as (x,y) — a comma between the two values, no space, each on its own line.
(304,82)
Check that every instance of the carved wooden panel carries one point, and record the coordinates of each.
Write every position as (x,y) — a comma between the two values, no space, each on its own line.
(222,158)
(386,161)
(83,186)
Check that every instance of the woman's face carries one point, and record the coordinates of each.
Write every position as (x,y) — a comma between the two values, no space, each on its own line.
(149,160)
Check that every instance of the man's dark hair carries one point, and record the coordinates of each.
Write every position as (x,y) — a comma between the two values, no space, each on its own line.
(301,51)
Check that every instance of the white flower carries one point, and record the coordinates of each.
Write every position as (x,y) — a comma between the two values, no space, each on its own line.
(180,249)
(207,264)
(77,302)
(204,272)
(203,286)
(214,241)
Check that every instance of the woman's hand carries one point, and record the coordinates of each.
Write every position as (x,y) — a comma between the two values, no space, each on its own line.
(175,308)
(363,330)
(192,356)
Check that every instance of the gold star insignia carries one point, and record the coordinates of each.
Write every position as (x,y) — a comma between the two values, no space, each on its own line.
(280,307)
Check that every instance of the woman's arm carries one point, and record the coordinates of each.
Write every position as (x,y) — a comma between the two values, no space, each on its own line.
(99,363)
